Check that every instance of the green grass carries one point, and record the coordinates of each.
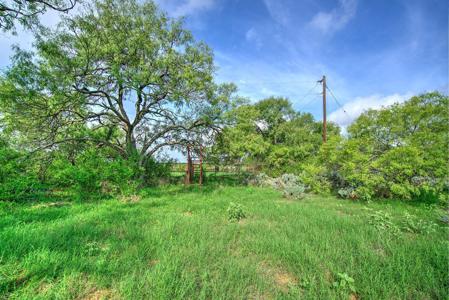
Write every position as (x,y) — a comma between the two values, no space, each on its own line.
(177,243)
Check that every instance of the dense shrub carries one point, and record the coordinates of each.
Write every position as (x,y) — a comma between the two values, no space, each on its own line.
(93,173)
(17,181)
(397,152)
(157,172)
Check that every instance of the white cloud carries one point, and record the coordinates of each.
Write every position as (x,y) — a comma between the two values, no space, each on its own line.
(278,11)
(260,79)
(178,8)
(253,36)
(353,109)
(336,19)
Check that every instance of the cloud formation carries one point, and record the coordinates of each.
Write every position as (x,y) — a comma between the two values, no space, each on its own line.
(353,109)
(336,19)
(252,36)
(278,11)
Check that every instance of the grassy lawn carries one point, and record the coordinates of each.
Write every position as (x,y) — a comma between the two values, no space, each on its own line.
(177,243)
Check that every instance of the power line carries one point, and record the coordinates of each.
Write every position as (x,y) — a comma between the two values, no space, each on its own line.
(308,92)
(275,81)
(336,100)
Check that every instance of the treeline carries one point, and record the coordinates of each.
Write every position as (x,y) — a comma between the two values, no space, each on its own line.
(397,152)
(90,109)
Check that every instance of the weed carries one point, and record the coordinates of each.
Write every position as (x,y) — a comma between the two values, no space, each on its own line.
(344,283)
(414,225)
(382,221)
(236,212)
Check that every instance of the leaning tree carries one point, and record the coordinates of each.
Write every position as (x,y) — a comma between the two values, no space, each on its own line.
(120,74)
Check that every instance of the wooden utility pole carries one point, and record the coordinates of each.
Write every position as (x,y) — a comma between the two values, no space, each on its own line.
(323,82)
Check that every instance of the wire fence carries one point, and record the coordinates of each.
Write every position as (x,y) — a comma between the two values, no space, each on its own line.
(212,168)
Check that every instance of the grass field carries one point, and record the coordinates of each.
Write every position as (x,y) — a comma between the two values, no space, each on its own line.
(177,243)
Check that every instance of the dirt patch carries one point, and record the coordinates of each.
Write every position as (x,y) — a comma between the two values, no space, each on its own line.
(50,204)
(353,297)
(328,276)
(284,280)
(380,251)
(281,277)
(100,295)
(44,287)
(257,295)
(153,262)
(130,199)
(243,222)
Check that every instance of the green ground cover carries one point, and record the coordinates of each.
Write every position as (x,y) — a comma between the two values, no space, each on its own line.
(177,243)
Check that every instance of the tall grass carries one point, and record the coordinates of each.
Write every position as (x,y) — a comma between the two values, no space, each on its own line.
(177,243)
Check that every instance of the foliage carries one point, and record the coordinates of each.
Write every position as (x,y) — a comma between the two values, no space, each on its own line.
(235,212)
(415,225)
(92,173)
(26,12)
(344,282)
(396,152)
(122,75)
(17,179)
(289,184)
(314,176)
(294,191)
(155,171)
(383,221)
(271,136)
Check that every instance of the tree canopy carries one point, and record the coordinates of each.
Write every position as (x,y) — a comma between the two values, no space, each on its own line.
(121,74)
(271,135)
(26,12)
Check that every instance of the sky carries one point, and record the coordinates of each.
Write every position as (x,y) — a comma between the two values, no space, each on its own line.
(373,52)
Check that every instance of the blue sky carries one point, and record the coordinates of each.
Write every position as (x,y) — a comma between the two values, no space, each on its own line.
(373,52)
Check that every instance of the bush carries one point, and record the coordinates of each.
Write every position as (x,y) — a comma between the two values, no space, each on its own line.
(235,212)
(17,179)
(347,193)
(314,176)
(262,180)
(94,174)
(289,184)
(396,152)
(155,171)
(290,180)
(20,188)
(294,191)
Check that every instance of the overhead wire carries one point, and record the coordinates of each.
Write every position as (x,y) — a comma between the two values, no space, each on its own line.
(336,100)
(309,92)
